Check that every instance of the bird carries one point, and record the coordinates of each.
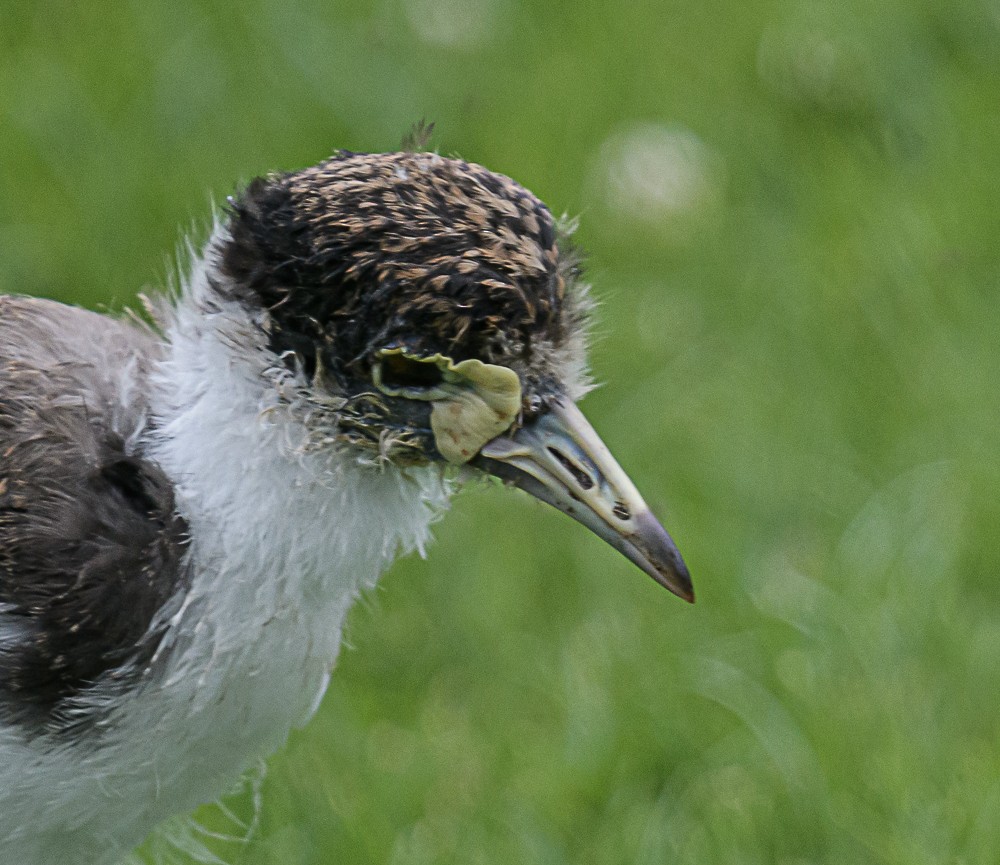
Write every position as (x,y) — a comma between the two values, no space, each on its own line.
(192,500)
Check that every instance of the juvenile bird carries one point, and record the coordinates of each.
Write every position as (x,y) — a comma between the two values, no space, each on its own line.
(187,512)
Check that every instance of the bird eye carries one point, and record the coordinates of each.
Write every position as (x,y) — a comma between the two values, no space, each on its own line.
(399,372)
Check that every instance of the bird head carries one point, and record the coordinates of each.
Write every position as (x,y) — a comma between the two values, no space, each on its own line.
(432,312)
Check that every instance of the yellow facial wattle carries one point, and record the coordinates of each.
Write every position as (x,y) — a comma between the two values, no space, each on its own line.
(473,404)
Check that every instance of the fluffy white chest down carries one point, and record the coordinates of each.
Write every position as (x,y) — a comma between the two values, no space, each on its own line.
(282,541)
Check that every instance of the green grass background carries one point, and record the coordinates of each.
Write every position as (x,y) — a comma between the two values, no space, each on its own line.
(792,212)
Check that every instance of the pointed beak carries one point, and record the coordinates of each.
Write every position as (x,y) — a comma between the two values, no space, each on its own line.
(559,458)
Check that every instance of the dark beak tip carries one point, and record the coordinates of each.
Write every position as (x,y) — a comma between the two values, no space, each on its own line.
(687,593)
(686,586)
(678,581)
(660,558)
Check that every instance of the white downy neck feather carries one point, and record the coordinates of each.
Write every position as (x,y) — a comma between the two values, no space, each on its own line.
(282,542)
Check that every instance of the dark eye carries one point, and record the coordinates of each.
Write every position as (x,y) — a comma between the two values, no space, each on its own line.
(404,373)
(398,374)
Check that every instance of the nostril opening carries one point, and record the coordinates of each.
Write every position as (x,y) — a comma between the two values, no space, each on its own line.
(584,481)
(621,511)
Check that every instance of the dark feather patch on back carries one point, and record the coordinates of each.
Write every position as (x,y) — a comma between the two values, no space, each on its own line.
(90,545)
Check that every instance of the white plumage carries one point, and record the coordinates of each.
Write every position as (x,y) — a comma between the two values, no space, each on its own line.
(284,538)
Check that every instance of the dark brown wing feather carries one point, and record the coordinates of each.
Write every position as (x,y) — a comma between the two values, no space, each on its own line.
(90,544)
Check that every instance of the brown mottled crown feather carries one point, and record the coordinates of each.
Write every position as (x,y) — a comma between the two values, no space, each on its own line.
(365,251)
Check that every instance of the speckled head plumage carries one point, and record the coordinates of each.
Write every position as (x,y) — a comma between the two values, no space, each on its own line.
(365,252)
